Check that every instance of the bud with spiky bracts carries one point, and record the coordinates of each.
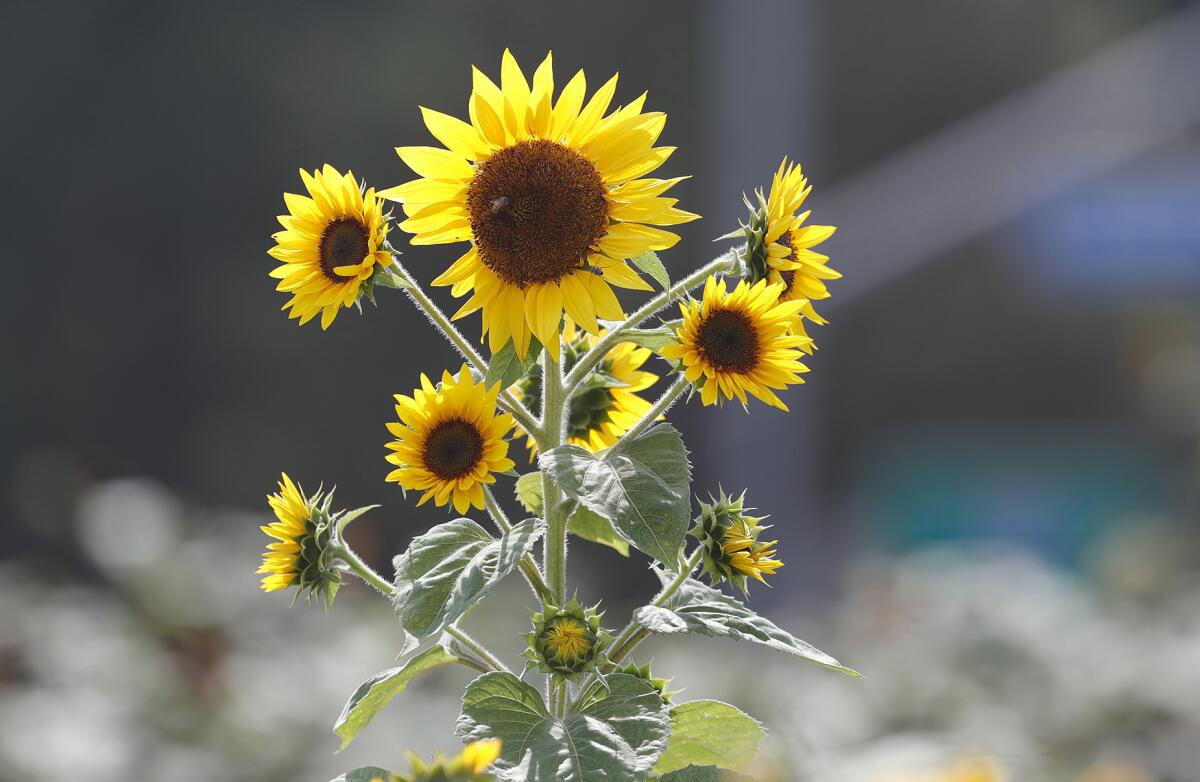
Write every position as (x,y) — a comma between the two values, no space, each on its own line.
(753,255)
(469,766)
(643,673)
(567,640)
(729,544)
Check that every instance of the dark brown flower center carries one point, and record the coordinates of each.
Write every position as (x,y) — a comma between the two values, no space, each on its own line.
(788,275)
(728,341)
(345,242)
(537,209)
(453,449)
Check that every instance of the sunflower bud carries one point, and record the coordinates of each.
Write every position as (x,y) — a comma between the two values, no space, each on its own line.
(643,672)
(567,640)
(729,543)
(470,765)
(301,554)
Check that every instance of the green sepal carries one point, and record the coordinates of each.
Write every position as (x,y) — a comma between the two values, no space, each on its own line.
(538,643)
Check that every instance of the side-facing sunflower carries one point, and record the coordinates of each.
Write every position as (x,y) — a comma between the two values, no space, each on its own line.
(449,440)
(299,554)
(550,195)
(731,344)
(608,402)
(332,243)
(790,259)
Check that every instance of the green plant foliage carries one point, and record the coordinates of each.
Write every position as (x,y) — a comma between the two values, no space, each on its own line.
(617,736)
(703,774)
(448,569)
(506,367)
(597,529)
(528,489)
(376,692)
(655,339)
(696,608)
(713,733)
(650,263)
(641,485)
(367,774)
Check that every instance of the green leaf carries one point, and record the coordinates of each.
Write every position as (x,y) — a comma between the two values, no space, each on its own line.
(368,774)
(697,608)
(703,774)
(529,492)
(617,736)
(650,264)
(641,485)
(597,529)
(448,569)
(389,279)
(712,733)
(506,367)
(376,692)
(655,339)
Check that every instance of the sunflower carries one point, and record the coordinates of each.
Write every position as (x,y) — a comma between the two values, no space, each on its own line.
(332,244)
(790,259)
(299,555)
(746,555)
(551,196)
(729,544)
(731,344)
(449,440)
(608,402)
(471,764)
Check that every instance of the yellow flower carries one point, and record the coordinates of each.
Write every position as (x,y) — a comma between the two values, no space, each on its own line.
(449,440)
(299,555)
(746,555)
(739,342)
(293,513)
(791,261)
(478,755)
(332,244)
(608,402)
(551,196)
(471,764)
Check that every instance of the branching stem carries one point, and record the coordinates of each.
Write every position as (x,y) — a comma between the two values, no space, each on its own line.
(528,567)
(476,647)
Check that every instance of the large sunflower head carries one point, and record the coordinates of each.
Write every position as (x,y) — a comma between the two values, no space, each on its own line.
(739,342)
(332,243)
(471,764)
(729,542)
(608,401)
(779,246)
(300,555)
(449,440)
(551,195)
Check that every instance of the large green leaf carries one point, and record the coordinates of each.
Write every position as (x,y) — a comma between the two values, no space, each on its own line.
(449,568)
(597,529)
(528,489)
(616,736)
(712,733)
(368,774)
(650,263)
(703,774)
(506,367)
(697,608)
(641,485)
(376,692)
(655,339)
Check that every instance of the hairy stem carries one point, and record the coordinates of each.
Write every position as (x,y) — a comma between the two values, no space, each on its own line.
(553,399)
(725,262)
(355,565)
(661,406)
(476,647)
(528,567)
(444,325)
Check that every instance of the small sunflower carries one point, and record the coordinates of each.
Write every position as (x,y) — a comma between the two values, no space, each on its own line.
(299,555)
(729,544)
(740,342)
(332,244)
(449,440)
(567,640)
(551,195)
(783,253)
(608,402)
(471,764)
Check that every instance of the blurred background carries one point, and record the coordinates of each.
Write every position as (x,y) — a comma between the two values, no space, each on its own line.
(986,495)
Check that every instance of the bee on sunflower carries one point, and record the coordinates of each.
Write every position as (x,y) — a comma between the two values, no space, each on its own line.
(331,246)
(553,196)
(734,343)
(449,440)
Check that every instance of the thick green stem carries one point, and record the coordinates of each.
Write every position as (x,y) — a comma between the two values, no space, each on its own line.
(726,262)
(553,427)
(361,569)
(476,647)
(439,319)
(528,567)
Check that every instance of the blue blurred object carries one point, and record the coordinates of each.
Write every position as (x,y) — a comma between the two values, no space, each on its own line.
(1052,493)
